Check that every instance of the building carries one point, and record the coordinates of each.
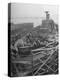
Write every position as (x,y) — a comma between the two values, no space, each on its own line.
(48,23)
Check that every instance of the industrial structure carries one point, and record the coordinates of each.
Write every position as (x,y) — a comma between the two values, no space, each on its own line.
(37,53)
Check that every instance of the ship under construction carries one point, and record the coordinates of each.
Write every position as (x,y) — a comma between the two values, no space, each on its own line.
(35,52)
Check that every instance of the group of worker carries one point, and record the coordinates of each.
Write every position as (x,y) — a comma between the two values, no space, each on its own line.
(35,42)
(28,40)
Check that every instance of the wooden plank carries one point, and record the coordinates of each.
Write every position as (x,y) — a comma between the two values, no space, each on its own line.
(39,49)
(44,63)
(23,62)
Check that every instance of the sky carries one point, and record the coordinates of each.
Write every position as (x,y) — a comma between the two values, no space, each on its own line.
(23,13)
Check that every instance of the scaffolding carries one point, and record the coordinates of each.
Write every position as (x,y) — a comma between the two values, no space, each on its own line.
(40,61)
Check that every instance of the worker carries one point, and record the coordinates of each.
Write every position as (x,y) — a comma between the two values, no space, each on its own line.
(19,43)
